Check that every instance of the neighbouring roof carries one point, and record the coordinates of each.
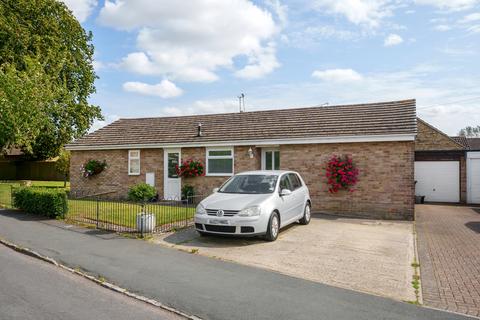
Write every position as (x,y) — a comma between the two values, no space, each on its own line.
(373,119)
(469,143)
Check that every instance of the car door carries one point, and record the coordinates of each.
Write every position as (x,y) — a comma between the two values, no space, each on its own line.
(286,203)
(298,197)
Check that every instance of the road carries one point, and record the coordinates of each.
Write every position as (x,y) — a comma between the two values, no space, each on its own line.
(198,285)
(33,289)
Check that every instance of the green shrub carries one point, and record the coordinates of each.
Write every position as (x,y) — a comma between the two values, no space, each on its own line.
(141,192)
(43,201)
(188,191)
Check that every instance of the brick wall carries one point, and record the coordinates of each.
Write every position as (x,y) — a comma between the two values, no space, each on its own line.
(241,161)
(385,188)
(115,178)
(429,138)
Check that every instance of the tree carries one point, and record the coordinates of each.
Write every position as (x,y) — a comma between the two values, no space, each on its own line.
(63,165)
(470,132)
(46,77)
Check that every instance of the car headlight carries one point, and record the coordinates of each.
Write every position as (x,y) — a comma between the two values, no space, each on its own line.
(250,212)
(200,209)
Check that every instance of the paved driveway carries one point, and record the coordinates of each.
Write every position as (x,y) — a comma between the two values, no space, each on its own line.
(449,252)
(364,255)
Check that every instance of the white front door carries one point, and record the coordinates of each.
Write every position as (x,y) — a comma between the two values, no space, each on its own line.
(172,182)
(438,181)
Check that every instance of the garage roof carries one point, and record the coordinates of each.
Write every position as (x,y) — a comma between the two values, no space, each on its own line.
(373,119)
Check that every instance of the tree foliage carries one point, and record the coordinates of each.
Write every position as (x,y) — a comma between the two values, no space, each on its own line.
(470,132)
(46,77)
(63,164)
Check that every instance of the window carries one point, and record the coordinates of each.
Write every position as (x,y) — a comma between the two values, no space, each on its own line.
(285,183)
(220,162)
(271,159)
(250,184)
(296,183)
(133,162)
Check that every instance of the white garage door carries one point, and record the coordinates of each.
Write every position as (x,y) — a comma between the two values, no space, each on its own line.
(438,181)
(473,177)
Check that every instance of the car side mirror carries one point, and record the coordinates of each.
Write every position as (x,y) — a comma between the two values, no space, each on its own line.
(285,192)
(215,190)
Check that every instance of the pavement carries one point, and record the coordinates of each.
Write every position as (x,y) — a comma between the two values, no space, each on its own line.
(36,290)
(370,256)
(198,285)
(448,248)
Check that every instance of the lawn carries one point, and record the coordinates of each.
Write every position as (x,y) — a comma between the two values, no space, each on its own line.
(125,214)
(5,188)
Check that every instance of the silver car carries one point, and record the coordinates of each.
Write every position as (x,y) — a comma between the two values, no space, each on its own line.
(255,203)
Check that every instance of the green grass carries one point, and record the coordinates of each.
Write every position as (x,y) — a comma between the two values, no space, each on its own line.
(5,188)
(124,213)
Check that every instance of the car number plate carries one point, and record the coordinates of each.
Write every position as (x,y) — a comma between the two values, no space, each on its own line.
(218,221)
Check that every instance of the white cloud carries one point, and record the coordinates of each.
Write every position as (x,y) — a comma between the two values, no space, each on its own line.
(451,5)
(360,12)
(164,89)
(392,40)
(471,18)
(190,43)
(81,8)
(337,75)
(443,27)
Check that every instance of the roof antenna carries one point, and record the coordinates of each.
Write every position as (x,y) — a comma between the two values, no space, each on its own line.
(325,104)
(241,102)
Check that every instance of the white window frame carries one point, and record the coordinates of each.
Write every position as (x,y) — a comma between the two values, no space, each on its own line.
(130,158)
(208,157)
(264,158)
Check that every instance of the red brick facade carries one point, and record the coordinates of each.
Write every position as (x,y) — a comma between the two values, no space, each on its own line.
(385,189)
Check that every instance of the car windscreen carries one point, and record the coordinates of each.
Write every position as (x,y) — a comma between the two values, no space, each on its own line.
(250,184)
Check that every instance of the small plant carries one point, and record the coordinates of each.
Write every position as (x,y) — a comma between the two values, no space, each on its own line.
(190,168)
(142,192)
(188,191)
(93,167)
(341,174)
(194,251)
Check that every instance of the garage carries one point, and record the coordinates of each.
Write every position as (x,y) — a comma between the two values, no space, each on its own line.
(473,177)
(438,181)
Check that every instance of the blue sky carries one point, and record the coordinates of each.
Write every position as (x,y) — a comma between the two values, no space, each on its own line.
(168,57)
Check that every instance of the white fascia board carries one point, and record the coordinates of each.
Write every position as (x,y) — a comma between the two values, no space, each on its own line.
(266,142)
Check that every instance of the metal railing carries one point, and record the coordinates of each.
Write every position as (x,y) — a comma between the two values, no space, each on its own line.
(132,217)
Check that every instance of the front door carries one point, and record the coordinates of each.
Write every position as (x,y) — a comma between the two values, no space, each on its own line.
(172,182)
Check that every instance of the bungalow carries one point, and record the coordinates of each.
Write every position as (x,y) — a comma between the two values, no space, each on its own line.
(379,137)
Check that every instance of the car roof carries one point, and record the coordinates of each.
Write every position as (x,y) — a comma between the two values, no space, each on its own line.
(266,172)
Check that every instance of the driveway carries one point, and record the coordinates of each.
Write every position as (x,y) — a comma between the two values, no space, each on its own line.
(364,255)
(449,253)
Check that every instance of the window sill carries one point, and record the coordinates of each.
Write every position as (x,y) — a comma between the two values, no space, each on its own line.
(134,174)
(219,174)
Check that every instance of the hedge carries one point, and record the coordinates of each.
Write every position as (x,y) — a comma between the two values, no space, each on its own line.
(43,201)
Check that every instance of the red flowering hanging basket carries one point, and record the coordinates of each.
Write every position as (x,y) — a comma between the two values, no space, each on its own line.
(190,168)
(341,174)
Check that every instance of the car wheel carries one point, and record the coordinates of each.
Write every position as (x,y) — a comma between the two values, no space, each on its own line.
(307,215)
(273,227)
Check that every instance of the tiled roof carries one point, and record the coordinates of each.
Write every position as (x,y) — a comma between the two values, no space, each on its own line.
(385,118)
(469,143)
(462,140)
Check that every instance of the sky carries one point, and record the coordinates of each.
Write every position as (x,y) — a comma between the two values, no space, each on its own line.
(170,57)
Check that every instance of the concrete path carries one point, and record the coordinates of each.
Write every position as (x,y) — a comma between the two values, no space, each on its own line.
(36,290)
(197,285)
(449,253)
(371,256)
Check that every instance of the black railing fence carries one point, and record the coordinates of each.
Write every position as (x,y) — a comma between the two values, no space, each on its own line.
(103,211)
(132,217)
